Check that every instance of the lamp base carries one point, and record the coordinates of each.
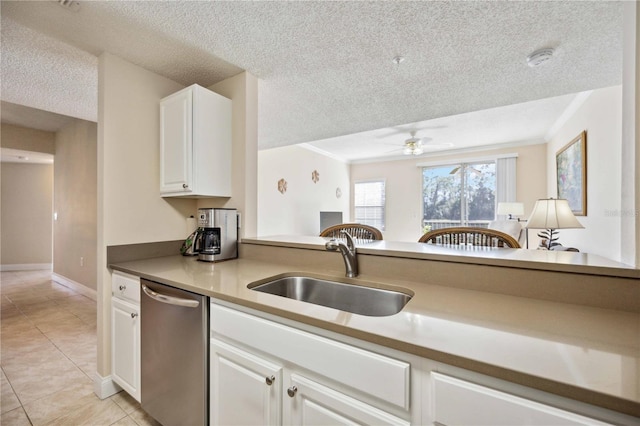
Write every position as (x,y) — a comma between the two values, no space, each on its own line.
(550,236)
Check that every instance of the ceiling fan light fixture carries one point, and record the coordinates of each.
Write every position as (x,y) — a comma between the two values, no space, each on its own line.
(413,147)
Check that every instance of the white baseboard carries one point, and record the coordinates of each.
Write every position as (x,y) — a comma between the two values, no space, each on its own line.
(104,387)
(84,290)
(27,267)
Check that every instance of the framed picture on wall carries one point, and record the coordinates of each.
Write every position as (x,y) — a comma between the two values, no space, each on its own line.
(571,174)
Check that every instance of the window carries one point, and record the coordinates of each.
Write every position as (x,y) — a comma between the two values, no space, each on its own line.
(458,195)
(368,203)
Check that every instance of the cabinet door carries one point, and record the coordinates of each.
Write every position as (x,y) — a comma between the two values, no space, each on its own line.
(245,389)
(125,346)
(176,143)
(311,403)
(458,402)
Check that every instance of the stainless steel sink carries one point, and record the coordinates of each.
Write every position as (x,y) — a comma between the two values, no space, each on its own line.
(358,299)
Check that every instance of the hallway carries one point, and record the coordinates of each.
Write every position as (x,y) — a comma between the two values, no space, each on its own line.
(48,357)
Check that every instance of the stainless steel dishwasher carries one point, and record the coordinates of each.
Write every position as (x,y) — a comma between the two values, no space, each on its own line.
(174,354)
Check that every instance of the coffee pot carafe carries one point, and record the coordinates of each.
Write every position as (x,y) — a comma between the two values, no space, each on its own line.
(216,238)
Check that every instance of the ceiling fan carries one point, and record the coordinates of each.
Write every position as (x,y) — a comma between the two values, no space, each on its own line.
(415,146)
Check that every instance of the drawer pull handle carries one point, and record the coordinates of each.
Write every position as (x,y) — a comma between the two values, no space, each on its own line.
(292,391)
(122,287)
(133,315)
(269,380)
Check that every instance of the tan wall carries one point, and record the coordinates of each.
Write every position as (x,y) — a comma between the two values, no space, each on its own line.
(630,170)
(26,211)
(130,208)
(297,211)
(242,89)
(404,185)
(601,116)
(75,189)
(25,139)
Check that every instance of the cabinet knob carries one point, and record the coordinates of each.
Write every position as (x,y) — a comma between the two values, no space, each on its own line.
(185,186)
(292,391)
(270,380)
(133,315)
(122,287)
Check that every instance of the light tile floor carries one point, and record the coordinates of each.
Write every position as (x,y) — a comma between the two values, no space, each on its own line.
(48,357)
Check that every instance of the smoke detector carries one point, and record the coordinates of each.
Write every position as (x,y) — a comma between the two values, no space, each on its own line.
(539,57)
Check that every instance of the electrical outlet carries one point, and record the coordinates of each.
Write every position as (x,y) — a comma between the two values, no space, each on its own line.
(81,261)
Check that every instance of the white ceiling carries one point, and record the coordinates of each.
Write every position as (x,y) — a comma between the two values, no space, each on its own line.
(326,68)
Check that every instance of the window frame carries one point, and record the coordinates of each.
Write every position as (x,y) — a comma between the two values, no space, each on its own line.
(463,163)
(383,207)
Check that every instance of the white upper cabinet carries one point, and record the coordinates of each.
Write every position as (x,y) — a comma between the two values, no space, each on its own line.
(195,144)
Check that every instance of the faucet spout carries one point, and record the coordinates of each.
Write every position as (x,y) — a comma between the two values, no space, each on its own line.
(348,252)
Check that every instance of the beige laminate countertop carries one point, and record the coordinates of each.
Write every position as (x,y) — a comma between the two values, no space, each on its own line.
(584,353)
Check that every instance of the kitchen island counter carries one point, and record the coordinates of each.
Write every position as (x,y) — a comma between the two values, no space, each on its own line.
(581,352)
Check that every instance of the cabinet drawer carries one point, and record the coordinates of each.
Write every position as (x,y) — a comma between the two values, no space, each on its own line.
(371,373)
(458,402)
(125,286)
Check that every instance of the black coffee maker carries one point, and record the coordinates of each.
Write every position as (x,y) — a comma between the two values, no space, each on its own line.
(216,238)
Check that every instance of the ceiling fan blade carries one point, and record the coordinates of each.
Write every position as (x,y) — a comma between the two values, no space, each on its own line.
(408,129)
(438,145)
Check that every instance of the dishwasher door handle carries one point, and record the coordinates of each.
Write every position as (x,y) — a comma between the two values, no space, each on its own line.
(171,300)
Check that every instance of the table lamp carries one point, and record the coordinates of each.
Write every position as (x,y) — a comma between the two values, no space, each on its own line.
(552,214)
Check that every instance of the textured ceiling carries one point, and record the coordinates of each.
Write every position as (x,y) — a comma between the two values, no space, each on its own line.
(325,68)
(20,115)
(520,124)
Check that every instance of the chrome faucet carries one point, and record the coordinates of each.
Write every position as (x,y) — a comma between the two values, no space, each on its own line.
(348,253)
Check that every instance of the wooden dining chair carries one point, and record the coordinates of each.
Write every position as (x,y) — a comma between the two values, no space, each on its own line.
(465,235)
(359,232)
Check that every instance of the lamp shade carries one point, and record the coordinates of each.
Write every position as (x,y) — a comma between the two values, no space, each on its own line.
(514,209)
(552,214)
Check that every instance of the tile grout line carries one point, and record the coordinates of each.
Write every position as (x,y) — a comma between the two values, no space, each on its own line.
(60,306)
(16,395)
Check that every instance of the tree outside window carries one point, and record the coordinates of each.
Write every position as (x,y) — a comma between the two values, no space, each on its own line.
(458,195)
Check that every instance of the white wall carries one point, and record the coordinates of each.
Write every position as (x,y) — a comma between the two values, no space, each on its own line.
(242,89)
(630,167)
(75,190)
(297,211)
(26,208)
(26,202)
(404,185)
(130,209)
(601,116)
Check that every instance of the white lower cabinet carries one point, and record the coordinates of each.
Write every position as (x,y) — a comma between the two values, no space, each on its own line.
(245,389)
(269,370)
(263,372)
(249,390)
(460,402)
(125,326)
(312,403)
(125,333)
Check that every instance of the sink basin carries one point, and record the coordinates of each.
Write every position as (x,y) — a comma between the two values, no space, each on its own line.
(358,299)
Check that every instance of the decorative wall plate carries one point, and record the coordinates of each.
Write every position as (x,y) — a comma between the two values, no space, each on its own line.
(282,186)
